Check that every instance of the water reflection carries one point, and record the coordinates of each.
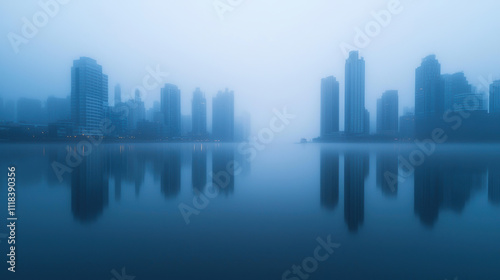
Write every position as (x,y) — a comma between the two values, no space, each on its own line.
(199,167)
(387,172)
(355,172)
(89,188)
(329,173)
(171,172)
(494,184)
(223,168)
(446,182)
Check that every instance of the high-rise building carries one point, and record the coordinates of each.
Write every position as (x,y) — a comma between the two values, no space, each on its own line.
(171,109)
(388,113)
(137,111)
(428,94)
(223,116)
(329,106)
(495,97)
(29,111)
(407,126)
(118,94)
(58,109)
(89,96)
(355,94)
(199,114)
(453,85)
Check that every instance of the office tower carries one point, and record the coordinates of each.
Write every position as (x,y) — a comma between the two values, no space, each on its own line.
(242,127)
(355,94)
(58,109)
(329,106)
(171,109)
(29,111)
(118,94)
(367,122)
(407,126)
(428,95)
(495,97)
(223,116)
(199,114)
(89,96)
(153,114)
(9,114)
(453,85)
(137,111)
(388,113)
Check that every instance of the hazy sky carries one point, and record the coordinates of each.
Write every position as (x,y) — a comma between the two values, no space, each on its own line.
(271,53)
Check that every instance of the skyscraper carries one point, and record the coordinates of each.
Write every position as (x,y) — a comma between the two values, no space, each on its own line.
(137,111)
(29,111)
(428,96)
(58,109)
(355,94)
(199,113)
(388,113)
(495,97)
(89,96)
(223,116)
(452,86)
(171,109)
(329,106)
(118,94)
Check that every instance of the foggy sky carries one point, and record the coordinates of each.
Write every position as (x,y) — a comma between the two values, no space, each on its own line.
(271,53)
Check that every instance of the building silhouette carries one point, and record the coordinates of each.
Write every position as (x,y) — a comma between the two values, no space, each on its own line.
(428,95)
(89,96)
(355,114)
(388,113)
(58,109)
(223,116)
(29,111)
(355,171)
(453,87)
(329,107)
(118,94)
(495,97)
(329,178)
(171,109)
(199,167)
(199,114)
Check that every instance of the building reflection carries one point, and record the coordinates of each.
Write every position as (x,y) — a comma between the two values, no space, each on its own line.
(89,187)
(329,178)
(446,183)
(199,166)
(494,184)
(171,172)
(223,168)
(354,189)
(387,172)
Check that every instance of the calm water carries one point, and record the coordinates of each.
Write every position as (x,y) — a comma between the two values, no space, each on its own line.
(119,208)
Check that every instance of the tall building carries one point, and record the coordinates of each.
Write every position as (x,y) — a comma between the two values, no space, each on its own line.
(223,116)
(89,96)
(355,94)
(453,85)
(428,94)
(329,106)
(137,111)
(388,113)
(58,109)
(171,109)
(407,126)
(118,94)
(495,97)
(199,114)
(29,111)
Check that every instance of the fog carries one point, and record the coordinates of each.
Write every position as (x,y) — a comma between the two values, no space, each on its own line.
(273,54)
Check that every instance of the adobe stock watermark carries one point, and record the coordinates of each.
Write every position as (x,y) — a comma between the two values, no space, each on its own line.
(427,147)
(225,6)
(31,27)
(74,157)
(309,265)
(122,276)
(380,20)
(201,200)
